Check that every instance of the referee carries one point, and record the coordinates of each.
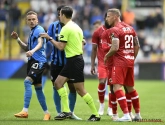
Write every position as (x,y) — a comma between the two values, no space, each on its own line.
(71,37)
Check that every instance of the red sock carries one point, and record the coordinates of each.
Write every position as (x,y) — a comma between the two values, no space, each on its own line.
(109,102)
(135,101)
(129,102)
(101,92)
(122,100)
(112,98)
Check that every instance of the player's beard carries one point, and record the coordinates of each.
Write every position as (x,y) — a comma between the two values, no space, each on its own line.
(107,25)
(62,24)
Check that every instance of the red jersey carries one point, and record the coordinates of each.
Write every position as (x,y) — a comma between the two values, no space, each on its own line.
(124,57)
(96,39)
(106,45)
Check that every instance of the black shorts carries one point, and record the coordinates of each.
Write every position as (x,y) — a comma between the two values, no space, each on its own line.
(74,69)
(55,71)
(35,70)
(46,70)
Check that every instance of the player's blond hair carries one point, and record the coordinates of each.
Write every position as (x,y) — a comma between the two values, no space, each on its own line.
(115,11)
(31,12)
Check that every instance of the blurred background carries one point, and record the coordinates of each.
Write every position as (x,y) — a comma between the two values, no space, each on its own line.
(146,16)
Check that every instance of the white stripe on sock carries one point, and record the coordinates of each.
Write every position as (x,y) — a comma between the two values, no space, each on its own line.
(135,97)
(128,100)
(121,98)
(101,90)
(113,102)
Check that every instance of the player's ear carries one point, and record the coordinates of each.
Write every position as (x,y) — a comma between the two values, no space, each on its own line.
(37,20)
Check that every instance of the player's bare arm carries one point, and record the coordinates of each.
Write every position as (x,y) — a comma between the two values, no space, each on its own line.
(93,57)
(114,48)
(136,46)
(58,45)
(84,41)
(38,46)
(24,46)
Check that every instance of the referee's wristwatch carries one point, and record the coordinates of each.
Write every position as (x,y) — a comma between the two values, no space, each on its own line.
(50,38)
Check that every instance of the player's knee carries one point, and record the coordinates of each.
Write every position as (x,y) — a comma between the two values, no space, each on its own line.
(102,81)
(57,85)
(27,83)
(116,87)
(81,92)
(129,89)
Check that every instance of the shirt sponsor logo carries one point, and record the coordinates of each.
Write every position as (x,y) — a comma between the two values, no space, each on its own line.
(128,51)
(126,29)
(129,57)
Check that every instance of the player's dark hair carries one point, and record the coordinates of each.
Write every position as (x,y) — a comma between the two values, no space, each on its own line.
(67,11)
(59,8)
(105,15)
(97,22)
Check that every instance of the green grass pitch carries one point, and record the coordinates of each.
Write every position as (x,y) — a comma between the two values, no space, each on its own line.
(152,98)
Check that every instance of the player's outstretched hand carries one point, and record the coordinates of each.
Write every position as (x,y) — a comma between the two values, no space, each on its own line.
(93,71)
(14,35)
(45,35)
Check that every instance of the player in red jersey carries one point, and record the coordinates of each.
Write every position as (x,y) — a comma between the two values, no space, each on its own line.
(106,45)
(124,49)
(102,71)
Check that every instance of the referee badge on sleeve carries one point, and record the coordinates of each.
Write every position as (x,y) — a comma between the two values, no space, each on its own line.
(61,36)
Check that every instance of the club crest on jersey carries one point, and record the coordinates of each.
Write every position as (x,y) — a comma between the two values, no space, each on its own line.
(110,80)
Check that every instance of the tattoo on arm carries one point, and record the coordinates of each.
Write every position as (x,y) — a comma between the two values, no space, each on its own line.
(136,46)
(115,44)
(114,47)
(136,41)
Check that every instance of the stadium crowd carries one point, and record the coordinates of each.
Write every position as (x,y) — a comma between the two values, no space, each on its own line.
(148,27)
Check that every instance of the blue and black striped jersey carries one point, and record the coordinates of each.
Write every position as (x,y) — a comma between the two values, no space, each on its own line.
(39,55)
(58,57)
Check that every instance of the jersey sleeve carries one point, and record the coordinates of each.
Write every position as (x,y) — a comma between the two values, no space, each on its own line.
(105,41)
(95,38)
(114,33)
(38,31)
(64,34)
(50,30)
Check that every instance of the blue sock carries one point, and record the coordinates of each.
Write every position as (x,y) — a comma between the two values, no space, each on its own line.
(41,97)
(28,93)
(72,100)
(44,78)
(57,100)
